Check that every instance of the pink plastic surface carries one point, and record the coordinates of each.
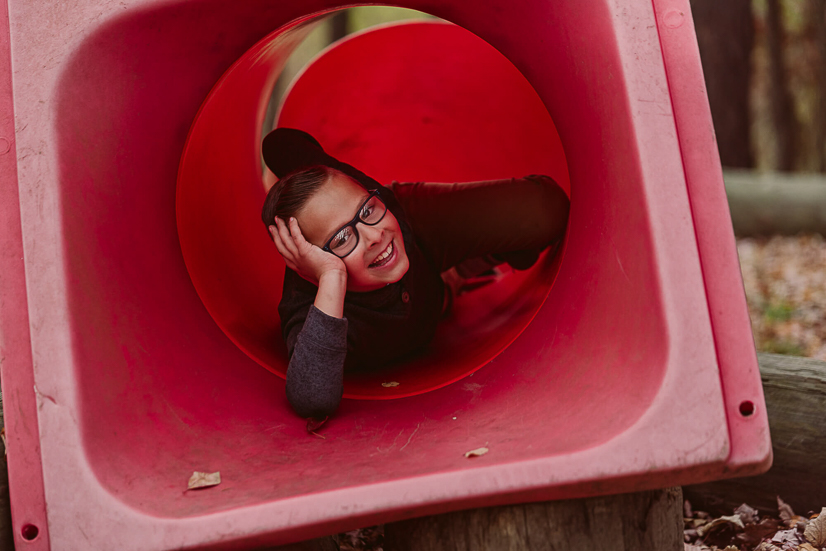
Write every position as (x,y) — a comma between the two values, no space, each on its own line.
(630,375)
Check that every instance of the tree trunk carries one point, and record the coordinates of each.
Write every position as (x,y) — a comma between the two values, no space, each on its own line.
(818,20)
(725,33)
(339,24)
(782,106)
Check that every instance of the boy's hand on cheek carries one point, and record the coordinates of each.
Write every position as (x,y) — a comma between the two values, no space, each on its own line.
(304,258)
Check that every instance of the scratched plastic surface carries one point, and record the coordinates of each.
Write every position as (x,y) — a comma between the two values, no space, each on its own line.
(130,372)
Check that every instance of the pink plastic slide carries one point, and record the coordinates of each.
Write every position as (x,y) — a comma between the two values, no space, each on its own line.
(138,290)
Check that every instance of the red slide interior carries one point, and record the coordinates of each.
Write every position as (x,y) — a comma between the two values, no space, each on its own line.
(410,102)
(153,359)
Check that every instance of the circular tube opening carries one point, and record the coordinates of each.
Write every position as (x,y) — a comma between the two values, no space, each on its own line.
(421,101)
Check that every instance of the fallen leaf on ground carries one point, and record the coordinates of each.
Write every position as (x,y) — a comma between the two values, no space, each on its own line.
(816,530)
(766,546)
(689,547)
(806,547)
(747,514)
(731,548)
(754,533)
(733,520)
(391,384)
(315,424)
(785,536)
(697,522)
(477,452)
(203,480)
(786,512)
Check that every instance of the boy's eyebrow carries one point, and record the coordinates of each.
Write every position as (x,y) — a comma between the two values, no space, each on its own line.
(361,202)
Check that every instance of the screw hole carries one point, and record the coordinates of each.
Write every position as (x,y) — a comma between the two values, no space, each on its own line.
(746,408)
(29,532)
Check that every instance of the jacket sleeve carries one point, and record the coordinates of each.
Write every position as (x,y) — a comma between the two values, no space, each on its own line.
(514,218)
(315,375)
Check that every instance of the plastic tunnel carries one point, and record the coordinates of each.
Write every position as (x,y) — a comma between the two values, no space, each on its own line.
(139,288)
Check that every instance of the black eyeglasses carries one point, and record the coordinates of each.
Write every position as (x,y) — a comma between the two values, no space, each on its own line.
(346,239)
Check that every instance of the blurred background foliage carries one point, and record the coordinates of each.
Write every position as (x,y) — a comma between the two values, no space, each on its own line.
(765,66)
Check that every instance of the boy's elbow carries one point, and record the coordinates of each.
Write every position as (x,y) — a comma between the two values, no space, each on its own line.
(312,400)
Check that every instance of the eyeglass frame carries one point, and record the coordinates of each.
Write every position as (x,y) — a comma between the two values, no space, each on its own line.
(354,222)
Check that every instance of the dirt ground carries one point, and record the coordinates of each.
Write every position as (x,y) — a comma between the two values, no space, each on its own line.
(785,281)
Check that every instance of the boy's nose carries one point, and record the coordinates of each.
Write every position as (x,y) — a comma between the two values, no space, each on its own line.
(372,235)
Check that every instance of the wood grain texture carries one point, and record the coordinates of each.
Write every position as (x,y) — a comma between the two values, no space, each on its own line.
(795,390)
(644,521)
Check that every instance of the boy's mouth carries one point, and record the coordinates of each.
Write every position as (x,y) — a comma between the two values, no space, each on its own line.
(385,257)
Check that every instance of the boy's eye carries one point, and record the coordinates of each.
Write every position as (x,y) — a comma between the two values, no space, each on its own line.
(367,210)
(342,238)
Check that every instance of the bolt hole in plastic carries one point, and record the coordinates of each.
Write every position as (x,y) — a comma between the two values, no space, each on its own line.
(746,408)
(420,101)
(29,532)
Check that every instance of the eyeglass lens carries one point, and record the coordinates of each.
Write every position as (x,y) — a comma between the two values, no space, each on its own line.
(346,239)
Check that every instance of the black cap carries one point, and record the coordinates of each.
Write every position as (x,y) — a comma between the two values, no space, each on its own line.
(286,150)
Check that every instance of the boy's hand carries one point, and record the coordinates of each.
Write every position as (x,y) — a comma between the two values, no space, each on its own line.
(304,258)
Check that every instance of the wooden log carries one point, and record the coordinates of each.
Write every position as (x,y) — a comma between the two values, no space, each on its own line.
(776,204)
(795,390)
(643,521)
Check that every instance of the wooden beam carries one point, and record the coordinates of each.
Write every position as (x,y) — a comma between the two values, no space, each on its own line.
(795,390)
(643,521)
(776,204)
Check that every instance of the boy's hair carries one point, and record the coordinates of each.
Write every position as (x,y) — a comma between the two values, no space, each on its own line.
(289,195)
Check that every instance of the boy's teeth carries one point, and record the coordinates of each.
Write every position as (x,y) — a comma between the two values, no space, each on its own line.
(385,254)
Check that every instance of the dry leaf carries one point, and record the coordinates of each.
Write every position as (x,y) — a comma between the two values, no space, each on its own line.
(697,522)
(733,520)
(785,536)
(477,452)
(748,514)
(391,384)
(203,480)
(732,548)
(816,530)
(754,533)
(806,547)
(315,424)
(689,547)
(766,546)
(786,512)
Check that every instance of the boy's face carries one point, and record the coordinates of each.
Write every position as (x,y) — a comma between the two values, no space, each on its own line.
(334,205)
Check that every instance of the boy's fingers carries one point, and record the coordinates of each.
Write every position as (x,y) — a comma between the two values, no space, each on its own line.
(286,238)
(295,232)
(282,250)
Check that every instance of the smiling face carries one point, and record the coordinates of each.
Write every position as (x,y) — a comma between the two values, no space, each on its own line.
(379,258)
